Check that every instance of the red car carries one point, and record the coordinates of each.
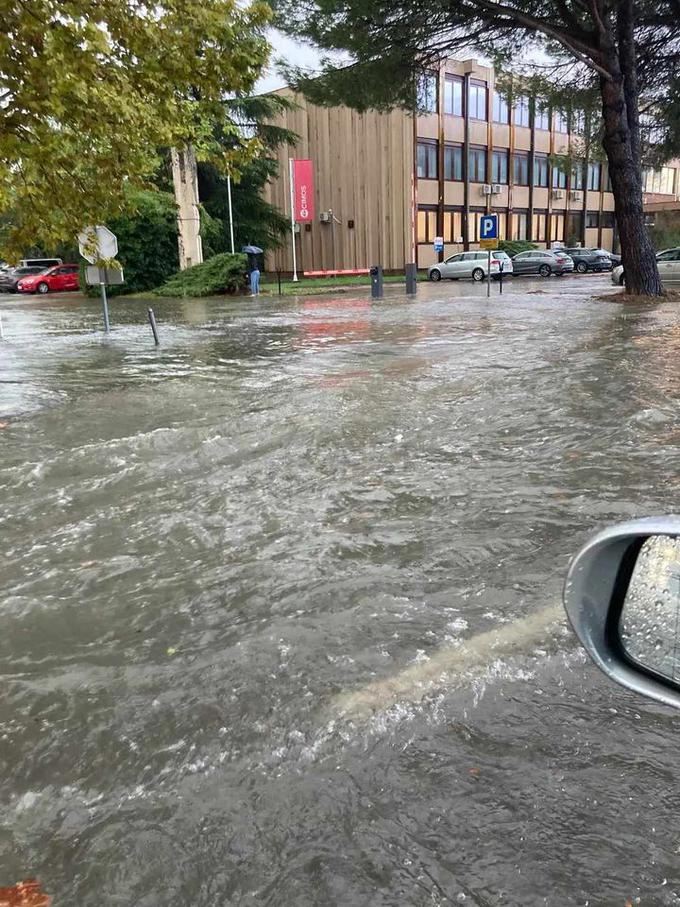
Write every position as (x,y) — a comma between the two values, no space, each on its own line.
(61,277)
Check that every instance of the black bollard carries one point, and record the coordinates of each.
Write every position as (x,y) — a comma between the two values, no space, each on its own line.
(377,282)
(278,274)
(411,279)
(500,276)
(154,328)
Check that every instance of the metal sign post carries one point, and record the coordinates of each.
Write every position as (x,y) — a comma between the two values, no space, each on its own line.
(105,308)
(99,244)
(488,239)
(103,276)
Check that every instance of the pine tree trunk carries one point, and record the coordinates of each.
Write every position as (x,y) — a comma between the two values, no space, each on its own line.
(622,147)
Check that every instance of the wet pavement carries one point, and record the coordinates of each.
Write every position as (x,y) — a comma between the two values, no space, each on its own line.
(281,614)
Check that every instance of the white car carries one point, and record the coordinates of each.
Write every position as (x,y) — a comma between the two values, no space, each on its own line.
(473,265)
(668,263)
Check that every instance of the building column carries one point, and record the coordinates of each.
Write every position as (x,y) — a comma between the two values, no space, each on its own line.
(185,184)
(466,161)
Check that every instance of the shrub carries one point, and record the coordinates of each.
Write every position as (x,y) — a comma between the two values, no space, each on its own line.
(224,273)
(514,246)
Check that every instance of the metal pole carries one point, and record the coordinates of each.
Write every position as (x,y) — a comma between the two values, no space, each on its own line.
(154,328)
(488,273)
(292,215)
(411,279)
(105,307)
(500,277)
(231,214)
(278,275)
(2,333)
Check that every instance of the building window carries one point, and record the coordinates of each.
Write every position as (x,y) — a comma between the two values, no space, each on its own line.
(502,224)
(557,228)
(473,224)
(559,176)
(427,92)
(578,121)
(594,172)
(453,162)
(501,112)
(477,100)
(592,219)
(560,121)
(608,180)
(499,167)
(607,220)
(453,96)
(520,168)
(522,111)
(539,226)
(453,226)
(427,160)
(541,170)
(477,165)
(659,181)
(577,175)
(518,225)
(574,227)
(542,116)
(427,224)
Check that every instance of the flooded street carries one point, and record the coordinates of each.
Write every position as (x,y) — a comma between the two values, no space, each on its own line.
(282,619)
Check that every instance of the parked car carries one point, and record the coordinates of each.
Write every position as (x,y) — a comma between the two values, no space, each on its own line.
(10,278)
(589,260)
(40,262)
(612,256)
(668,263)
(63,277)
(470,265)
(542,262)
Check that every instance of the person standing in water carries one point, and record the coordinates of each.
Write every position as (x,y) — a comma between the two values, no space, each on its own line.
(255,281)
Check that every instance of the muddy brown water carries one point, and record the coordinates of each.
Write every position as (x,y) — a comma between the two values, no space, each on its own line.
(228,562)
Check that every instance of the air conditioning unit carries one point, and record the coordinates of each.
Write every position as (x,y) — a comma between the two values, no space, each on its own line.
(486,189)
(557,193)
(325,217)
(496,189)
(575,196)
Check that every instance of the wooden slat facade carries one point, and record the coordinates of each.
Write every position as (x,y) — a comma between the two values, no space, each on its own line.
(363,164)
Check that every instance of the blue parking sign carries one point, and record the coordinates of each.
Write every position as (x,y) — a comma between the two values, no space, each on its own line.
(439,244)
(488,226)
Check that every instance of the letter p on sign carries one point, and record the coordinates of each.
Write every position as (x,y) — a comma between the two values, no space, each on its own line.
(488,226)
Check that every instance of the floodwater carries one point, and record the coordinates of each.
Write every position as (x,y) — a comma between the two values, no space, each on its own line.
(281,620)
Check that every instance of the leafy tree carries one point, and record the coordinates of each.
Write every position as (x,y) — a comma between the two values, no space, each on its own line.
(89,89)
(613,45)
(255,220)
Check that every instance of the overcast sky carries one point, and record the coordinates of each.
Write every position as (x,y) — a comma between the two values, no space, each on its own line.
(292,52)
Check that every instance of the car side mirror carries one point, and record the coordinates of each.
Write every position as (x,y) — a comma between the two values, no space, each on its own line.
(622,597)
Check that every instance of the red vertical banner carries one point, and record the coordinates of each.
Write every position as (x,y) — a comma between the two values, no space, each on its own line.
(303,183)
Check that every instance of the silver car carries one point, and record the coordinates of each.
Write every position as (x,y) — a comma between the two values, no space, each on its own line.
(473,265)
(668,263)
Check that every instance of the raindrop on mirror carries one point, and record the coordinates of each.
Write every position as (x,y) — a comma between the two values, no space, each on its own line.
(650,620)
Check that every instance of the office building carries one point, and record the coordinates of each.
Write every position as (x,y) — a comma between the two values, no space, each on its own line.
(387,185)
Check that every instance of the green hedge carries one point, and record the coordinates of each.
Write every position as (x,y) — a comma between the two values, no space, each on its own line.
(220,274)
(515,246)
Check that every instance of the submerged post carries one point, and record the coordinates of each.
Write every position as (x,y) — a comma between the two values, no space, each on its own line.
(105,307)
(411,279)
(377,282)
(154,327)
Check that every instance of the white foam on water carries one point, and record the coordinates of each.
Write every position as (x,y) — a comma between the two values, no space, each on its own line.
(447,668)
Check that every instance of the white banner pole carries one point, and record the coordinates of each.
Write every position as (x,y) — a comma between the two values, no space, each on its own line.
(292,216)
(231,213)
